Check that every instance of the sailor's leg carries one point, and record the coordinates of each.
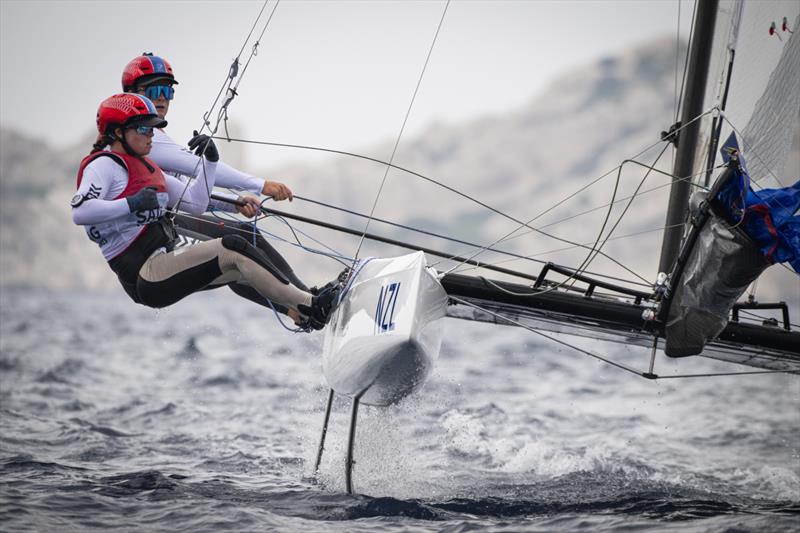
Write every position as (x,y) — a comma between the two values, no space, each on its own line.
(205,227)
(166,278)
(351,441)
(260,273)
(324,431)
(213,227)
(249,293)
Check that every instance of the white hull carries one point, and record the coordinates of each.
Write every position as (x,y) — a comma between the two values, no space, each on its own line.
(385,335)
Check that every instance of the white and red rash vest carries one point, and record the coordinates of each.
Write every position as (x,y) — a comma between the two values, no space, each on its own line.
(115,236)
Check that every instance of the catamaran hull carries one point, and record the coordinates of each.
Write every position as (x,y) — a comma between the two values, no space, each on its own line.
(385,335)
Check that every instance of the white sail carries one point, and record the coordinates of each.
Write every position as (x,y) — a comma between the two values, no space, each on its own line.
(763,94)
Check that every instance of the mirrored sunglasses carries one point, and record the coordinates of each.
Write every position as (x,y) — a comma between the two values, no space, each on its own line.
(144,130)
(154,92)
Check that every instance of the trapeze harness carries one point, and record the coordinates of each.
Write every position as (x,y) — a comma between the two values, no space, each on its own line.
(140,249)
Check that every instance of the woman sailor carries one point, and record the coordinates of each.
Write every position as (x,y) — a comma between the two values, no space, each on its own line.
(152,77)
(122,201)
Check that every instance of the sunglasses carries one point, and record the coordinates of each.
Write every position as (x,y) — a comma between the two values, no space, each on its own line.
(154,92)
(143,130)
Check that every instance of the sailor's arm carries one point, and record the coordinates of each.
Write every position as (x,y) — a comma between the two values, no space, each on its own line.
(172,157)
(195,199)
(89,204)
(233,204)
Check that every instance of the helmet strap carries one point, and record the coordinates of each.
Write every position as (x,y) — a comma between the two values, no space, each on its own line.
(129,150)
(127,146)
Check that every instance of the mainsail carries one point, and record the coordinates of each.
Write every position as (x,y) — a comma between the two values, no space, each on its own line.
(754,81)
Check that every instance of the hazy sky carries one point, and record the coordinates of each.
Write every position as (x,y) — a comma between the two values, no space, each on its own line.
(332,73)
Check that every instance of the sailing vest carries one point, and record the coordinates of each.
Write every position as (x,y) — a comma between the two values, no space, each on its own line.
(139,176)
(128,241)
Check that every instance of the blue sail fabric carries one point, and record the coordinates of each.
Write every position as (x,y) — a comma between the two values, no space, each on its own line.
(768,216)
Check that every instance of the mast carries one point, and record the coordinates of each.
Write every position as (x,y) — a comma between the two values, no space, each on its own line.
(693,100)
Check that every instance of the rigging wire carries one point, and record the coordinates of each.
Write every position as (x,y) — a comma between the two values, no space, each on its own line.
(470,198)
(233,69)
(576,272)
(606,360)
(233,72)
(677,56)
(685,60)
(624,198)
(679,93)
(761,318)
(515,256)
(402,129)
(546,336)
(411,228)
(591,257)
(440,184)
(568,248)
(526,224)
(253,53)
(573,277)
(661,228)
(410,246)
(331,253)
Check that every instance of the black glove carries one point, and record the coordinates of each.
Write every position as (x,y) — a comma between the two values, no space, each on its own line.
(204,145)
(143,200)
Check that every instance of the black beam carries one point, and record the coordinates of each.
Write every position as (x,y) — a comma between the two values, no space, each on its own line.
(612,315)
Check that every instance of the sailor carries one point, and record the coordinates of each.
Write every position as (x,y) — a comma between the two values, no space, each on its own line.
(152,77)
(122,202)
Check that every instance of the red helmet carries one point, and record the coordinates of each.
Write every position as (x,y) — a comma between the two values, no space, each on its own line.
(146,68)
(127,109)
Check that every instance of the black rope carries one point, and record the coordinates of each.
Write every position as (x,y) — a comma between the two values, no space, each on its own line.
(515,256)
(223,112)
(417,230)
(234,68)
(443,186)
(591,257)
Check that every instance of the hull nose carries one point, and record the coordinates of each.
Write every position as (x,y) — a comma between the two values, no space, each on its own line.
(384,336)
